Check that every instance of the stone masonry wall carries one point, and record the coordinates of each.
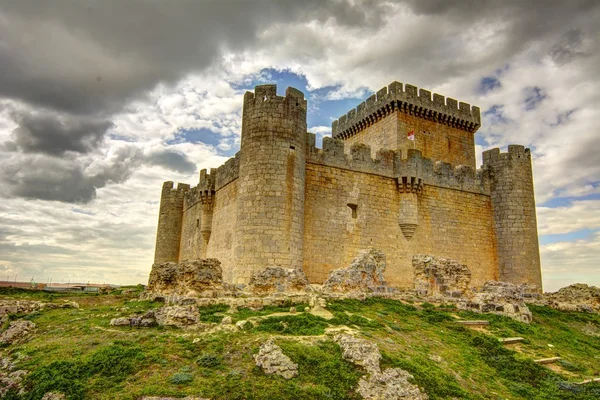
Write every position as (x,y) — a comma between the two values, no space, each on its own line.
(452,223)
(222,240)
(508,176)
(168,233)
(381,135)
(270,224)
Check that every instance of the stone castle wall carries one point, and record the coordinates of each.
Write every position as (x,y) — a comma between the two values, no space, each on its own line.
(283,201)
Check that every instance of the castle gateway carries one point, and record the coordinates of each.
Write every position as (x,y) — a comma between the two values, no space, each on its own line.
(283,201)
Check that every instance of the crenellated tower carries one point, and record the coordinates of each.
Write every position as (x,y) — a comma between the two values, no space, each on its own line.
(168,234)
(270,220)
(509,178)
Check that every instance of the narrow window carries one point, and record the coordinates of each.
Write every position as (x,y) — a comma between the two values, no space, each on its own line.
(353,207)
(197,223)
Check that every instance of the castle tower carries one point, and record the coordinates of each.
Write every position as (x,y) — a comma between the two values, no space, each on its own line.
(510,179)
(271,182)
(168,234)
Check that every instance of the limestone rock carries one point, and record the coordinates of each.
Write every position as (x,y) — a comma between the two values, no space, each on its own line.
(200,277)
(278,280)
(177,315)
(142,321)
(440,276)
(9,378)
(226,320)
(10,306)
(17,330)
(502,298)
(391,384)
(272,361)
(175,398)
(577,297)
(359,351)
(54,396)
(365,274)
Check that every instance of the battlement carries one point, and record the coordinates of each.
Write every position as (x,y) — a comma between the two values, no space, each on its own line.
(265,96)
(411,100)
(227,172)
(514,152)
(169,190)
(412,172)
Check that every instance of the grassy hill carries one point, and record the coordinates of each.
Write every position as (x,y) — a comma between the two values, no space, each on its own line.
(77,352)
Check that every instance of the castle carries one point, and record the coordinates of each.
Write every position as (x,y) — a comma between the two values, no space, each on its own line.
(283,201)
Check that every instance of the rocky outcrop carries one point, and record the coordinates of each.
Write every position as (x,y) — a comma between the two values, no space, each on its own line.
(364,275)
(360,352)
(10,378)
(191,278)
(20,307)
(500,298)
(177,315)
(16,331)
(577,297)
(389,384)
(141,321)
(278,280)
(435,276)
(271,359)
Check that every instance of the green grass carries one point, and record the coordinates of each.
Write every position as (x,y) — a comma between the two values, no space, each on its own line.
(77,352)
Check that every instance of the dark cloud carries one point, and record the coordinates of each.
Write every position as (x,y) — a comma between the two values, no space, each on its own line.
(54,135)
(61,179)
(172,160)
(89,57)
(567,47)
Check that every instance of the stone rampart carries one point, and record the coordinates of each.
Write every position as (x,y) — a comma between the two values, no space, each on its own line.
(411,100)
(414,171)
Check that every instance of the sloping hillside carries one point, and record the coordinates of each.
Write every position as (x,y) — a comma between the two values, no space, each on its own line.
(75,351)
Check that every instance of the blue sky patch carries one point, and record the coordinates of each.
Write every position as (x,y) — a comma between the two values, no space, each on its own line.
(533,97)
(584,234)
(488,83)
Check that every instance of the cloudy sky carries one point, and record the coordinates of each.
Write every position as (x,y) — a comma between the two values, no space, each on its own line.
(102,101)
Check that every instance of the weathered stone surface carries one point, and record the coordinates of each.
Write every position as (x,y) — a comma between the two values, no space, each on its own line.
(577,297)
(278,280)
(271,359)
(440,276)
(391,384)
(226,320)
(501,298)
(200,277)
(9,306)
(146,320)
(175,398)
(54,396)
(360,352)
(177,315)
(365,274)
(9,378)
(16,331)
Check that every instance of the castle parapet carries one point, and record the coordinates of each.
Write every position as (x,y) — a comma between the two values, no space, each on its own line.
(228,172)
(412,172)
(408,99)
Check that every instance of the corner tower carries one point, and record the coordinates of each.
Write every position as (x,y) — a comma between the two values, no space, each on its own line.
(271,182)
(509,177)
(168,234)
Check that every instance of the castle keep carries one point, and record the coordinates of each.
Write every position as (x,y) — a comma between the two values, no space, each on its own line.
(283,201)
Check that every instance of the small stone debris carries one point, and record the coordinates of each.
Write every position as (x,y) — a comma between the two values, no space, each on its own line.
(550,360)
(511,340)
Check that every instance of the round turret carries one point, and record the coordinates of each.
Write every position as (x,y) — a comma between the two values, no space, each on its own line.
(271,182)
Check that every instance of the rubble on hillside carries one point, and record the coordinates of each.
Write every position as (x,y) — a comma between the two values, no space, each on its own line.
(389,384)
(279,280)
(16,331)
(364,275)
(435,276)
(189,278)
(576,297)
(500,298)
(271,359)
